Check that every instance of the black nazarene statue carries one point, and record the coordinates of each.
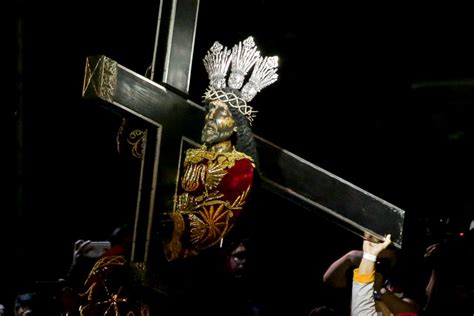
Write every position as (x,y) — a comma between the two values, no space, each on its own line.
(217,178)
(214,185)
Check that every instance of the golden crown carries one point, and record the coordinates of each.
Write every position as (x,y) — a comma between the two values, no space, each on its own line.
(241,59)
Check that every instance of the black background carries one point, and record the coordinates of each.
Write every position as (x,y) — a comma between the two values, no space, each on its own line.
(348,100)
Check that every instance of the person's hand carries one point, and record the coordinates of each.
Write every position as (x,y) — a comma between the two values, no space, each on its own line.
(431,250)
(375,248)
(79,246)
(432,254)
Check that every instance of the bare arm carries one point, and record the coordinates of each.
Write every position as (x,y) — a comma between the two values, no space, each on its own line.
(363,302)
(335,275)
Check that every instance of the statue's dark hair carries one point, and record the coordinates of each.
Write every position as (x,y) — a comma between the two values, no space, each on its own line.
(243,140)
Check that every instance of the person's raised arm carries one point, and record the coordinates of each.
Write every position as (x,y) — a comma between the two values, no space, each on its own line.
(363,302)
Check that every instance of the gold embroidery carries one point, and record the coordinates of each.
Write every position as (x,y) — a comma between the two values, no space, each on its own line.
(186,202)
(215,173)
(104,264)
(210,174)
(209,224)
(197,172)
(240,200)
(98,277)
(208,216)
(192,175)
(194,156)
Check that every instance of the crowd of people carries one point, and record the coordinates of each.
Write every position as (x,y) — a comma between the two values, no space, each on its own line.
(366,281)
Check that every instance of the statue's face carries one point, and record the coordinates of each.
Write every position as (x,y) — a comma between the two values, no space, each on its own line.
(219,124)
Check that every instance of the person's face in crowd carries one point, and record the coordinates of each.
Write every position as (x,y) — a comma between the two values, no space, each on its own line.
(22,311)
(237,260)
(219,123)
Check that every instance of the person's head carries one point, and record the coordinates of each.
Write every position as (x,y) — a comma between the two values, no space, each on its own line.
(121,241)
(237,259)
(122,235)
(219,123)
(24,304)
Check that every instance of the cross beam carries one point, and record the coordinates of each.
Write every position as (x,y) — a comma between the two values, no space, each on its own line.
(284,173)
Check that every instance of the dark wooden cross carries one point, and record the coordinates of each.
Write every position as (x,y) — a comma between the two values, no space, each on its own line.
(174,119)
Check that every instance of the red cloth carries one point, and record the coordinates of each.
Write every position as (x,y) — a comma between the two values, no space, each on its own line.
(237,180)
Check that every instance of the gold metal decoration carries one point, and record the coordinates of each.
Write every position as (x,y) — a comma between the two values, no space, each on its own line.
(120,133)
(100,78)
(137,138)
